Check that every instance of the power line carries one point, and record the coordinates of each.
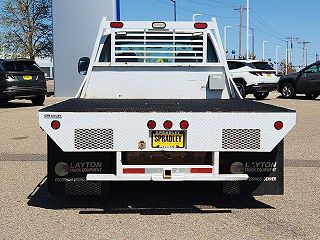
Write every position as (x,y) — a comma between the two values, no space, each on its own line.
(192,11)
(264,23)
(208,5)
(267,33)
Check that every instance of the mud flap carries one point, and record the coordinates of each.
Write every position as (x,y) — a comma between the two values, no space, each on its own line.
(265,170)
(67,171)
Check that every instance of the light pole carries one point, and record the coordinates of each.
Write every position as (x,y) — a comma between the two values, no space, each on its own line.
(225,38)
(287,59)
(195,15)
(277,51)
(263,48)
(175,9)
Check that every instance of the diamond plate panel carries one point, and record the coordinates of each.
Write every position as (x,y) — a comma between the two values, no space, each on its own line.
(243,139)
(93,138)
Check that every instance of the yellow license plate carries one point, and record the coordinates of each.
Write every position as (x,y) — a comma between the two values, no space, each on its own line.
(168,139)
(27,78)
(269,75)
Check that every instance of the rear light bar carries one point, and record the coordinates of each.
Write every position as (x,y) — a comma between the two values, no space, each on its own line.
(116,24)
(134,171)
(200,25)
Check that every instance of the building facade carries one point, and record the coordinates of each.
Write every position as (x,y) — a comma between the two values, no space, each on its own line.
(75,27)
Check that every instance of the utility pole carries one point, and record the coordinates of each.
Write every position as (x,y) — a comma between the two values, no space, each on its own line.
(291,40)
(240,29)
(175,9)
(277,51)
(252,42)
(304,43)
(287,60)
(248,26)
(317,57)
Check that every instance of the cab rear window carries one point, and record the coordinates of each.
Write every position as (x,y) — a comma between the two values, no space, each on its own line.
(21,66)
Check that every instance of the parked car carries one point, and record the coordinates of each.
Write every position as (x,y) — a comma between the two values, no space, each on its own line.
(253,77)
(306,81)
(50,86)
(22,79)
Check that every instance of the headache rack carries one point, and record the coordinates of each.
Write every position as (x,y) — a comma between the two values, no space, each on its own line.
(159,46)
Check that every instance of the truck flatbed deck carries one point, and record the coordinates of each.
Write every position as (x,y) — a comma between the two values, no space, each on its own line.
(163,105)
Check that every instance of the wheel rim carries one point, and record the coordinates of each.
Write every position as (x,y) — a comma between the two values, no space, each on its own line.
(286,91)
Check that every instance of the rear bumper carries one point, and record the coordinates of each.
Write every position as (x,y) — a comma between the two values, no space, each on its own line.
(18,92)
(175,178)
(262,87)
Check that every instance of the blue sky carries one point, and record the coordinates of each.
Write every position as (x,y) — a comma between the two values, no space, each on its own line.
(271,19)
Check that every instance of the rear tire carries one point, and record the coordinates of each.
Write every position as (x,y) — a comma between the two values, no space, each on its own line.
(312,96)
(287,90)
(242,89)
(38,100)
(261,96)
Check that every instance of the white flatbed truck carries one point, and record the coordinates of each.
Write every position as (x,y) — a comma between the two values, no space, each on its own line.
(158,104)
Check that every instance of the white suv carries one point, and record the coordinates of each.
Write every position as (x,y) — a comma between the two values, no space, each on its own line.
(253,77)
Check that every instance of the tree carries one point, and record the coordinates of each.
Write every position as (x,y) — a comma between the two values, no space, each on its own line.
(284,68)
(27,26)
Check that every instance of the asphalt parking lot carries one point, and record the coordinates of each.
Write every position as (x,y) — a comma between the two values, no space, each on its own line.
(155,211)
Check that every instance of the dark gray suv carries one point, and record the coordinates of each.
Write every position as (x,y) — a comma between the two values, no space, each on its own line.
(22,79)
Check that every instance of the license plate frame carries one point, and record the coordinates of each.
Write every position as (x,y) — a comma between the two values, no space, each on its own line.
(168,139)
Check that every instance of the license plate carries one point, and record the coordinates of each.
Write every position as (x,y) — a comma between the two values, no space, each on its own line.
(168,139)
(269,75)
(27,78)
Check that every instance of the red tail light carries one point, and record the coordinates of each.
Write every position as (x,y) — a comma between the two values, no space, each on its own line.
(184,124)
(55,124)
(201,170)
(116,24)
(167,124)
(151,124)
(278,125)
(200,25)
(134,171)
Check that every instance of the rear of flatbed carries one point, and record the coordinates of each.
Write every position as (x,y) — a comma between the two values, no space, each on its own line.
(107,140)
